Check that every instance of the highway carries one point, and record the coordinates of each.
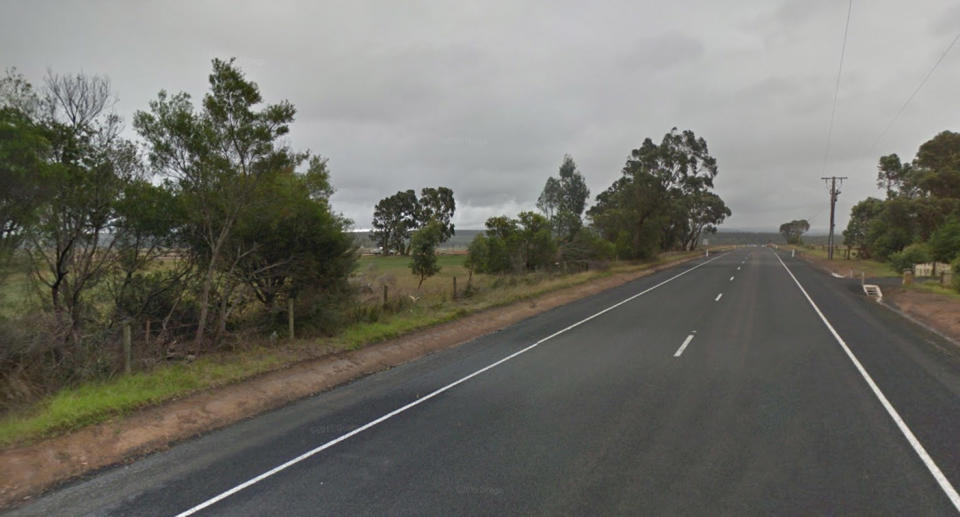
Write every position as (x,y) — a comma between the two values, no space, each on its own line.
(747,383)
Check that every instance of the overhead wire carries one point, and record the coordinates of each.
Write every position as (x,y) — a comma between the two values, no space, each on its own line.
(836,92)
(920,86)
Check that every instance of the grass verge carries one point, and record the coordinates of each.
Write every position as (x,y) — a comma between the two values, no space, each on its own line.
(92,403)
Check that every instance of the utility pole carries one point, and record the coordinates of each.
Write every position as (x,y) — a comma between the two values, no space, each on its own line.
(834,192)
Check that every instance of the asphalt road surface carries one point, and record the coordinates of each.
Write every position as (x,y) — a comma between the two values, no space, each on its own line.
(716,387)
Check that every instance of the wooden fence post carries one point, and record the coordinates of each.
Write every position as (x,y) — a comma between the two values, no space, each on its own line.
(454,288)
(126,348)
(385,295)
(290,303)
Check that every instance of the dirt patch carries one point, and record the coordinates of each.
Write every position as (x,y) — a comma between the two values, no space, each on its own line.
(935,310)
(27,470)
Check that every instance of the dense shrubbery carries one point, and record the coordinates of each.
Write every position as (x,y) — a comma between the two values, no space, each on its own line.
(919,221)
(207,237)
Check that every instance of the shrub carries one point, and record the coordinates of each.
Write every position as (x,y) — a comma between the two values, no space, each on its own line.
(917,253)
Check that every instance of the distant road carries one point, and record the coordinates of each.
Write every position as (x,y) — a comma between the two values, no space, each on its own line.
(716,387)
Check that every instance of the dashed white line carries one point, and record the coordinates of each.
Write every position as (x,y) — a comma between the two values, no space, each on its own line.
(717,299)
(684,345)
(931,465)
(731,279)
(421,400)
(738,268)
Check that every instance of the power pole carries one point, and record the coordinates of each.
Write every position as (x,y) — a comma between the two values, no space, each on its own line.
(834,192)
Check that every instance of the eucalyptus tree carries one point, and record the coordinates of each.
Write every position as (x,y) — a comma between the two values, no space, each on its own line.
(216,155)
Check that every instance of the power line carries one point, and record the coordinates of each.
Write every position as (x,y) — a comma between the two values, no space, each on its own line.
(836,92)
(917,90)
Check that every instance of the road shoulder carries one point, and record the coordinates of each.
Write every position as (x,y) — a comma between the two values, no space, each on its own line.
(29,470)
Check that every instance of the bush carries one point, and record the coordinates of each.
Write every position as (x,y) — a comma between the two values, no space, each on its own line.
(945,241)
(917,253)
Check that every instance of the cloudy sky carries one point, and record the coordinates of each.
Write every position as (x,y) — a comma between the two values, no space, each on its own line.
(486,97)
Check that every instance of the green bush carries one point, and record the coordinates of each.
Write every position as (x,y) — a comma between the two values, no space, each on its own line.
(917,253)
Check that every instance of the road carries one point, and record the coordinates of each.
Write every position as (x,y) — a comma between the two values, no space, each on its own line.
(716,387)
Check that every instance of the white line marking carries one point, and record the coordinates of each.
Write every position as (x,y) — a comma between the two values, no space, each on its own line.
(738,268)
(684,345)
(907,433)
(717,299)
(731,279)
(395,412)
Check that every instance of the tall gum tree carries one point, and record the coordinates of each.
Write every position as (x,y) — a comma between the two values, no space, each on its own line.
(216,156)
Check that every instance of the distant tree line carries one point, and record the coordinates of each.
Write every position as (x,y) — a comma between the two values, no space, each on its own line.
(662,201)
(919,218)
(207,226)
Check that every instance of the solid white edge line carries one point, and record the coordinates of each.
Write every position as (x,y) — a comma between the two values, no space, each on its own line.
(717,299)
(684,345)
(931,465)
(331,443)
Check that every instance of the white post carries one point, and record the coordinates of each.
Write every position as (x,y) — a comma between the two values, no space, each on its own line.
(708,253)
(793,253)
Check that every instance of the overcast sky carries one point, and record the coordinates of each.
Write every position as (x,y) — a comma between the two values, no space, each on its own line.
(486,97)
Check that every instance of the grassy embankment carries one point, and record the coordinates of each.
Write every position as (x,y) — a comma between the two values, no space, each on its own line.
(96,402)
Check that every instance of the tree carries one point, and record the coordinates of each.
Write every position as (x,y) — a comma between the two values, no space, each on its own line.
(648,208)
(437,204)
(938,166)
(895,178)
(563,199)
(793,230)
(149,222)
(535,244)
(862,216)
(293,242)
(522,244)
(217,156)
(24,150)
(423,246)
(394,218)
(72,243)
(945,241)
(704,211)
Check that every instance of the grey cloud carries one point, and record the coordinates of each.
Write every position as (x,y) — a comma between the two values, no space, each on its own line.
(486,97)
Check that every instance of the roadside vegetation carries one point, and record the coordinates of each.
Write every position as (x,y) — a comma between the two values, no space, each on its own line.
(919,220)
(206,250)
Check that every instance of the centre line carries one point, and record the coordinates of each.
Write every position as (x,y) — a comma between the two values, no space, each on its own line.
(738,268)
(684,345)
(731,279)
(717,299)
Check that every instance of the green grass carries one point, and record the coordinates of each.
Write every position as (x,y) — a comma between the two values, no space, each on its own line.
(872,268)
(95,402)
(935,288)
(91,403)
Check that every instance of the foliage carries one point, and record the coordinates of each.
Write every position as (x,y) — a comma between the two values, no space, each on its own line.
(423,250)
(563,200)
(793,230)
(396,216)
(663,199)
(917,253)
(217,156)
(513,245)
(436,205)
(945,241)
(856,233)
